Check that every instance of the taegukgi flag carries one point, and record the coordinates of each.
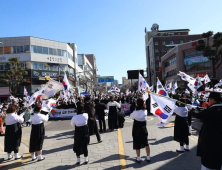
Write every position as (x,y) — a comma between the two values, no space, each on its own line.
(52,87)
(206,79)
(174,88)
(143,87)
(185,77)
(37,95)
(160,89)
(162,107)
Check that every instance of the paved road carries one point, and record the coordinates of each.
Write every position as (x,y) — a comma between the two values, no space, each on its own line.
(115,149)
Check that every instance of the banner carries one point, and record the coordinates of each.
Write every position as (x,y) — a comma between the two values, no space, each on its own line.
(195,60)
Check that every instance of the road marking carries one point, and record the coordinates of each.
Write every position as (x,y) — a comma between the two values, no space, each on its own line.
(122,160)
(170,125)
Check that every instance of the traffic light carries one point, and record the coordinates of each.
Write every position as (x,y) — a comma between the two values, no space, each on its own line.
(47,77)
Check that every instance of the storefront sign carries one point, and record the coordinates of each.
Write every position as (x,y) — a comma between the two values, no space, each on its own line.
(36,73)
(106,79)
(200,75)
(195,60)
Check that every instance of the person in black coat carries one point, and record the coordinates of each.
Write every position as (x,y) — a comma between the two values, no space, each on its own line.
(181,128)
(99,109)
(210,138)
(93,128)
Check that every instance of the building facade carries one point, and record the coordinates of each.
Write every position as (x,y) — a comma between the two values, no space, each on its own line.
(157,43)
(40,58)
(185,58)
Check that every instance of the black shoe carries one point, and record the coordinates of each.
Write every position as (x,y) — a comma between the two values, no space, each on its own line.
(77,163)
(86,162)
(34,159)
(18,158)
(148,160)
(187,150)
(41,159)
(10,158)
(100,131)
(100,141)
(138,161)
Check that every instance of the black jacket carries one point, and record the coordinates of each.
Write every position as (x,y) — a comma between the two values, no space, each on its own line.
(99,110)
(210,138)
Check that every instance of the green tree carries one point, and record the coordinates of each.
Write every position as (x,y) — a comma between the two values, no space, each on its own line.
(214,51)
(14,76)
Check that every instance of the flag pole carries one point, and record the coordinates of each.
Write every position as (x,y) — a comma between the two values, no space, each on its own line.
(148,91)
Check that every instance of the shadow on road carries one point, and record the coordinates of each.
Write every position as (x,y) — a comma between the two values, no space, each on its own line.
(163,140)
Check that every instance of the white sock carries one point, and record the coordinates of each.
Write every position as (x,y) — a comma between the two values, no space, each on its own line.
(9,155)
(33,156)
(86,159)
(181,148)
(148,157)
(40,157)
(138,158)
(187,146)
(78,160)
(16,155)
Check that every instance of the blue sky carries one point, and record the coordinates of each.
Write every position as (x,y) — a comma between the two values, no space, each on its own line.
(113,30)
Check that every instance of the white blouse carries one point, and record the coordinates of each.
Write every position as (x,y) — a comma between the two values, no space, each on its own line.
(114,103)
(79,120)
(14,118)
(139,115)
(181,111)
(38,118)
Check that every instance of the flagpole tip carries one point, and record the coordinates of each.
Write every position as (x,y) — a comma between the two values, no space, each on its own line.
(148,91)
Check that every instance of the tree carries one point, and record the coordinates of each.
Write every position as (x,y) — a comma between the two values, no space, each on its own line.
(87,80)
(14,76)
(214,51)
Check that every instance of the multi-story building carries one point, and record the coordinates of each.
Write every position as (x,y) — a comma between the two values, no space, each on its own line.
(116,83)
(157,43)
(39,57)
(185,58)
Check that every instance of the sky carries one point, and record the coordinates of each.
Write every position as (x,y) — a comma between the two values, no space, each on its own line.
(112,30)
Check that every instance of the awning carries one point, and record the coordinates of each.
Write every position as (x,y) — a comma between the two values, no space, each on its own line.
(4,92)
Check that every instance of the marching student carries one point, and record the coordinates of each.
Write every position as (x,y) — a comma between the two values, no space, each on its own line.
(100,112)
(37,132)
(13,132)
(181,127)
(112,116)
(81,134)
(140,133)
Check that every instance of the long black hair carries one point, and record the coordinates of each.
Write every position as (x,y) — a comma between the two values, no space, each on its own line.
(140,104)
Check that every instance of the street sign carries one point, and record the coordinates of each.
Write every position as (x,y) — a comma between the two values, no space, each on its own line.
(97,85)
(106,79)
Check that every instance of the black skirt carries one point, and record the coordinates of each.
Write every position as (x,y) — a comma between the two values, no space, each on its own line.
(140,135)
(181,129)
(13,135)
(37,137)
(121,119)
(81,139)
(113,118)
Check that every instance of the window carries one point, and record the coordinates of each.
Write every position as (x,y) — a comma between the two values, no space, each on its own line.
(59,52)
(33,49)
(1,50)
(181,41)
(45,50)
(2,67)
(39,66)
(27,48)
(19,49)
(178,33)
(76,60)
(7,50)
(171,34)
(171,42)
(157,57)
(39,49)
(34,65)
(163,50)
(157,65)
(170,61)
(64,53)
(54,51)
(45,66)
(156,50)
(50,51)
(189,40)
(156,42)
(172,73)
(7,67)
(163,42)
(14,49)
(55,68)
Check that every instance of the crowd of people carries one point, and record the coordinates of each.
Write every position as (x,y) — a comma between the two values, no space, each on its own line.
(89,109)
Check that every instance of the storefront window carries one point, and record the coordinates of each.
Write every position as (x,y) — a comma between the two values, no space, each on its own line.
(39,66)
(55,68)
(34,65)
(45,66)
